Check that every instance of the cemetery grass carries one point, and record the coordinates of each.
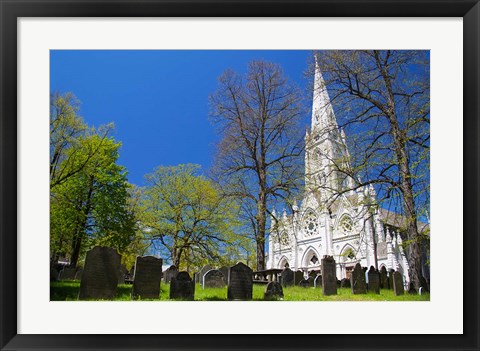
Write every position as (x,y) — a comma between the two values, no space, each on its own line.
(68,291)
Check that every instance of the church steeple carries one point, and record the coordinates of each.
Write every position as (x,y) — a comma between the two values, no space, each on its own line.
(325,144)
(322,111)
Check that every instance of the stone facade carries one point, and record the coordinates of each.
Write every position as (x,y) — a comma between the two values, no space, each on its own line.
(332,219)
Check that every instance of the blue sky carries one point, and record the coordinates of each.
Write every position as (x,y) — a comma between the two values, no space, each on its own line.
(158,100)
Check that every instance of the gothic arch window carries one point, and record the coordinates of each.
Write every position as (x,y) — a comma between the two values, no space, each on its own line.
(310,224)
(283,263)
(310,259)
(348,254)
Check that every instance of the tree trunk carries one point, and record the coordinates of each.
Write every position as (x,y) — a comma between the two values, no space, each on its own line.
(406,188)
(261,225)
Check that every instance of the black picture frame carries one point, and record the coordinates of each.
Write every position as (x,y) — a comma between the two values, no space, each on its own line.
(10,10)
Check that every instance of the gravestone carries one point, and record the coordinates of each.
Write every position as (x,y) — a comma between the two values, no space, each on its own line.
(359,286)
(240,282)
(224,271)
(424,285)
(317,283)
(78,274)
(67,273)
(297,277)
(373,280)
(170,273)
(304,283)
(202,272)
(213,279)
(390,279)
(345,283)
(287,277)
(147,277)
(53,274)
(398,283)
(383,278)
(339,283)
(274,291)
(100,274)
(182,287)
(411,289)
(122,274)
(329,278)
(311,281)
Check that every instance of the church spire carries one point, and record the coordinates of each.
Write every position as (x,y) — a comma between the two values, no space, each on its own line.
(322,111)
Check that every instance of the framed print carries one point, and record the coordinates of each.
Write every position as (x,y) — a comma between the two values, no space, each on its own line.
(122,49)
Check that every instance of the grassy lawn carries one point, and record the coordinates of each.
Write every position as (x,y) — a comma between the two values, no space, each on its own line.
(68,291)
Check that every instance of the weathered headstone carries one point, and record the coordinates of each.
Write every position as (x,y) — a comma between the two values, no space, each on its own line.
(359,286)
(373,281)
(383,278)
(398,283)
(79,273)
(390,279)
(287,277)
(329,278)
(213,279)
(304,283)
(273,291)
(67,273)
(297,276)
(202,272)
(311,281)
(170,273)
(147,277)
(411,289)
(345,283)
(240,282)
(224,271)
(182,287)
(317,283)
(424,285)
(100,274)
(122,274)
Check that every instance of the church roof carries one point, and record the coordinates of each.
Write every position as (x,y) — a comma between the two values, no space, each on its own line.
(400,221)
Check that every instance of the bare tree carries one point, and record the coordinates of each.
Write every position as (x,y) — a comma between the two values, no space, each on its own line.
(258,157)
(382,100)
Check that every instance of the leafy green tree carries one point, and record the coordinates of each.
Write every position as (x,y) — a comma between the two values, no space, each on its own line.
(91,206)
(66,130)
(186,215)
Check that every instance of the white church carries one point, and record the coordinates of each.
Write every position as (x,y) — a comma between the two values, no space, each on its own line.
(331,219)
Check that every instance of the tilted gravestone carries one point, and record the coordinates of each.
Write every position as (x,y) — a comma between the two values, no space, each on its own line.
(224,271)
(424,285)
(397,283)
(213,279)
(383,278)
(390,279)
(147,277)
(182,287)
(122,274)
(67,273)
(345,283)
(373,280)
(287,277)
(317,283)
(297,277)
(304,283)
(202,272)
(357,280)
(274,291)
(240,282)
(170,273)
(100,274)
(329,277)
(78,274)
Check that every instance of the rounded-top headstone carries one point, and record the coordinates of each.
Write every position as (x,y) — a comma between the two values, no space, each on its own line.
(274,291)
(240,282)
(182,287)
(213,279)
